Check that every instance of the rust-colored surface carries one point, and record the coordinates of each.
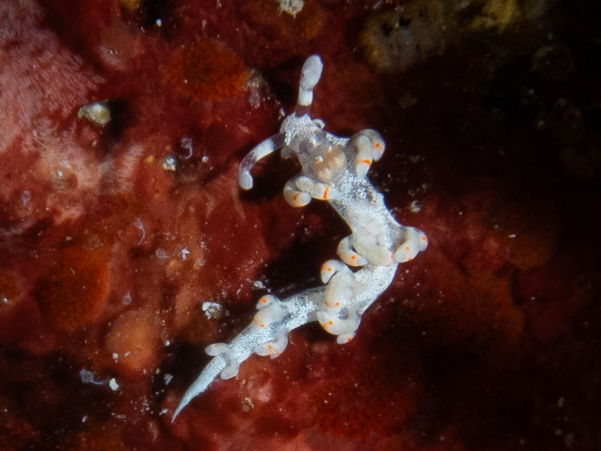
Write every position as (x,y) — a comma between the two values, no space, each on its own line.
(112,238)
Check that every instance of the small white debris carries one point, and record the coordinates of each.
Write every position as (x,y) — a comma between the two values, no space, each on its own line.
(169,163)
(248,404)
(258,285)
(87,377)
(292,7)
(25,197)
(185,252)
(255,98)
(126,299)
(168,378)
(97,113)
(161,254)
(212,309)
(113,384)
(414,207)
(140,226)
(186,143)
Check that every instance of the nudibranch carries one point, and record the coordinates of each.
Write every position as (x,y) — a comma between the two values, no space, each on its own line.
(334,170)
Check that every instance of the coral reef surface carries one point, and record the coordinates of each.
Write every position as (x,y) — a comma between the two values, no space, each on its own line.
(127,247)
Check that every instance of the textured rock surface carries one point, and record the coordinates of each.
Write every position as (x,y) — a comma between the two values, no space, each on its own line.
(113,237)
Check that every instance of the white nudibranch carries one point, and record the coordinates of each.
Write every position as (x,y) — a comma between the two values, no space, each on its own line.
(334,169)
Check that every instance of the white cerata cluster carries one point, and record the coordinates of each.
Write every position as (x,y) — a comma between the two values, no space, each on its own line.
(334,169)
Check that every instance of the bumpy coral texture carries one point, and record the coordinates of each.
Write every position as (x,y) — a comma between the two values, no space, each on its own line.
(127,245)
(333,169)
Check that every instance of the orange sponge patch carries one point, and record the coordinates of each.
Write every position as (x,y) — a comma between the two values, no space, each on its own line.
(207,70)
(73,292)
(133,341)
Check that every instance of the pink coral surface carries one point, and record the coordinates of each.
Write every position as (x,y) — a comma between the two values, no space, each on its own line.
(113,237)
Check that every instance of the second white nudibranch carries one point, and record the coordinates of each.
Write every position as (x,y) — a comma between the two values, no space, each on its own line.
(334,170)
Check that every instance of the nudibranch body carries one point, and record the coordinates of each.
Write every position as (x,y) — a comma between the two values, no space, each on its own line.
(334,170)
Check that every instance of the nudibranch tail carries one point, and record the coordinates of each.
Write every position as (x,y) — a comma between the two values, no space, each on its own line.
(334,170)
(213,369)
